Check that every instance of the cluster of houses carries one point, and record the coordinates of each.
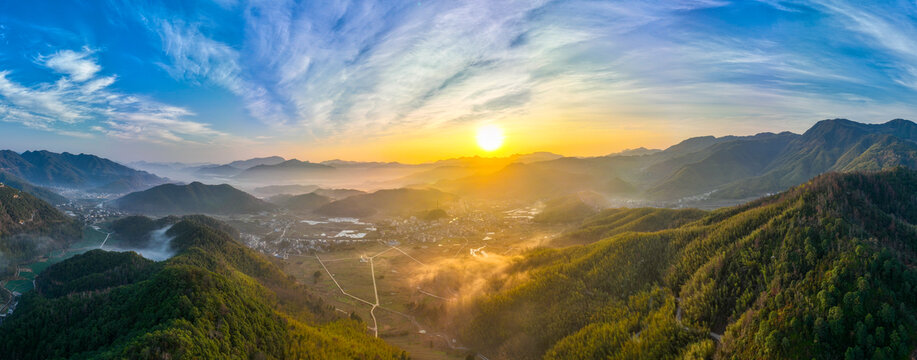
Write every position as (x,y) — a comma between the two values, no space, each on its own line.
(12,306)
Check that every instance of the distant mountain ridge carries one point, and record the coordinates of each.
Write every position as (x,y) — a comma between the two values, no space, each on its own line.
(218,170)
(245,164)
(288,170)
(82,171)
(707,168)
(173,199)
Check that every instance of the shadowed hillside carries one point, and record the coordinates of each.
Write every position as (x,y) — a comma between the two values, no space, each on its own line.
(820,271)
(81,171)
(29,227)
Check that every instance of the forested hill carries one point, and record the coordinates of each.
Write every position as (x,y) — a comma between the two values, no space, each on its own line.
(215,299)
(29,227)
(823,271)
(193,198)
(37,191)
(81,171)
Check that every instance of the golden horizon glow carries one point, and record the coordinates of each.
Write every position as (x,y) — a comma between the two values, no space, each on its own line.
(490,137)
(559,133)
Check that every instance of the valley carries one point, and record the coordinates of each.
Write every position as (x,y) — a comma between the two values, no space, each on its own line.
(458,180)
(582,273)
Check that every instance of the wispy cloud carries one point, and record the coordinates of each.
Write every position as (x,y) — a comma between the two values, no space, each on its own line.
(78,65)
(323,71)
(82,97)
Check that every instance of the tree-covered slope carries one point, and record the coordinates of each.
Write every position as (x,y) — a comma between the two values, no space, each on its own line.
(610,222)
(82,171)
(29,227)
(37,191)
(832,145)
(824,271)
(216,299)
(132,232)
(190,199)
(719,164)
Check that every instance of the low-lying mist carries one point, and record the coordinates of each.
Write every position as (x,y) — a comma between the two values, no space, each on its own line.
(462,281)
(158,247)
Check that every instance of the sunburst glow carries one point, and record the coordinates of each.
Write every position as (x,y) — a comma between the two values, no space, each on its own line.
(490,137)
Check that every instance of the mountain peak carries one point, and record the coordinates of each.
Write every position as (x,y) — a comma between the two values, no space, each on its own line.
(838,129)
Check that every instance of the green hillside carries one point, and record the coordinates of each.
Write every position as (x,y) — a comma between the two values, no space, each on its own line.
(611,222)
(37,191)
(719,164)
(823,271)
(173,199)
(135,231)
(214,299)
(29,227)
(832,145)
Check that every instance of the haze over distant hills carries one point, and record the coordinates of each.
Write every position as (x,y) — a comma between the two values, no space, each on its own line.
(300,203)
(285,171)
(395,201)
(702,170)
(708,168)
(245,164)
(83,171)
(811,271)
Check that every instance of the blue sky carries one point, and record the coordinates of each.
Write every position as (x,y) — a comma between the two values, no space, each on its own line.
(224,79)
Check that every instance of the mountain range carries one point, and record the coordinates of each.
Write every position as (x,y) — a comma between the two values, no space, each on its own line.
(731,168)
(83,171)
(285,171)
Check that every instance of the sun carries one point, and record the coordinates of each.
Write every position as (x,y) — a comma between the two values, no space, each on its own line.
(490,137)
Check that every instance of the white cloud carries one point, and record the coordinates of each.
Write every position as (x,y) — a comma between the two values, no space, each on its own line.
(99,83)
(76,102)
(78,65)
(362,68)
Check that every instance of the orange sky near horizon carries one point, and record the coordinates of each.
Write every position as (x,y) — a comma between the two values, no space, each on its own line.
(436,144)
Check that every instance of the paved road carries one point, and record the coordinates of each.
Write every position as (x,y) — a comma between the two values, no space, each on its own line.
(108,235)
